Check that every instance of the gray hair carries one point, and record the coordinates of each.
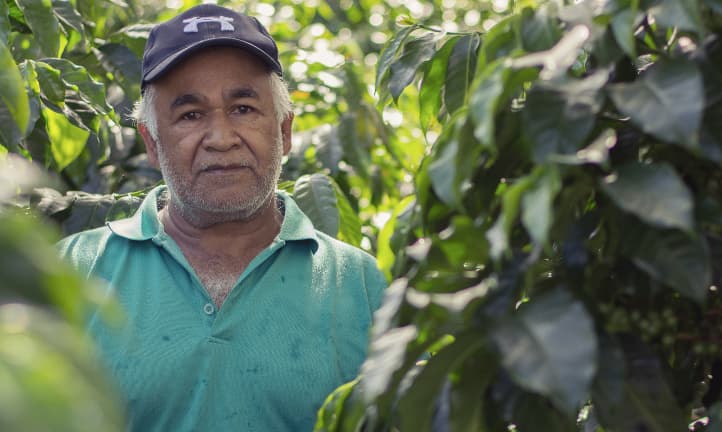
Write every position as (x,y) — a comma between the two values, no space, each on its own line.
(144,112)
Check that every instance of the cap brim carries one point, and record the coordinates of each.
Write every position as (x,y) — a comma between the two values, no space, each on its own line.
(181,55)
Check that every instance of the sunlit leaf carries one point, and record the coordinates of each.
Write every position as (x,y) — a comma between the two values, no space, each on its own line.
(350,224)
(667,101)
(416,52)
(432,83)
(460,72)
(14,108)
(389,55)
(316,196)
(654,193)
(558,59)
(68,15)
(78,79)
(41,20)
(67,141)
(684,15)
(550,347)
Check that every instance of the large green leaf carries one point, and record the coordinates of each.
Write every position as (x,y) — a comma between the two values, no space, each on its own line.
(654,193)
(432,83)
(68,15)
(666,101)
(550,347)
(675,259)
(455,157)
(559,115)
(418,399)
(77,79)
(389,55)
(50,82)
(539,30)
(416,52)
(483,104)
(41,20)
(558,59)
(645,401)
(14,106)
(316,196)
(350,224)
(623,27)
(460,72)
(67,141)
(387,354)
(684,15)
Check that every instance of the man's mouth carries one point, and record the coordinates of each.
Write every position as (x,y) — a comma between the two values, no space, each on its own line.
(229,168)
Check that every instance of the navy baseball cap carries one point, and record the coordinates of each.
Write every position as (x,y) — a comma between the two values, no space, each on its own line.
(200,27)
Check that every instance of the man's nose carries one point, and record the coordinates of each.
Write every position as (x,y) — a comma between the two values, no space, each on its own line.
(222,133)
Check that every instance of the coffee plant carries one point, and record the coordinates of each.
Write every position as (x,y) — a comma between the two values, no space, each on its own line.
(558,268)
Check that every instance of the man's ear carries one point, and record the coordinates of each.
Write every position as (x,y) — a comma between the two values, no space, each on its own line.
(286,127)
(151,146)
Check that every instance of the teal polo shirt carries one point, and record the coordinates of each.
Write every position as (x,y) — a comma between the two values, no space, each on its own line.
(294,327)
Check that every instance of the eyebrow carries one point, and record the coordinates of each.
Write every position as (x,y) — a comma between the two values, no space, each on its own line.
(192,99)
(186,99)
(243,92)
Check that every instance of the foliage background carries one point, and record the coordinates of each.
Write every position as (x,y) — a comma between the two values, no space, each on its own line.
(540,180)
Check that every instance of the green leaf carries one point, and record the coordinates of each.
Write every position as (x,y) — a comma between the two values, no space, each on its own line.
(715,5)
(550,347)
(316,196)
(68,15)
(684,15)
(14,105)
(623,28)
(485,98)
(330,413)
(4,23)
(416,52)
(533,413)
(455,157)
(460,72)
(667,101)
(77,79)
(675,259)
(388,55)
(539,30)
(67,141)
(559,115)
(385,254)
(654,193)
(121,61)
(51,84)
(416,404)
(646,403)
(386,355)
(41,20)
(350,224)
(538,204)
(432,83)
(558,59)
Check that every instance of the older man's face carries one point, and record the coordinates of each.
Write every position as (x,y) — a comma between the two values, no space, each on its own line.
(220,142)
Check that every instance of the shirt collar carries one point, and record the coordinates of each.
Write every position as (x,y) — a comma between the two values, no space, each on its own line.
(144,224)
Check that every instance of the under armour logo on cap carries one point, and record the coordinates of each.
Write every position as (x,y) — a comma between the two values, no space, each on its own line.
(200,27)
(192,23)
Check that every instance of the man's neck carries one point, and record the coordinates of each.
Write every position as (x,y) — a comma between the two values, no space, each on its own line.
(230,238)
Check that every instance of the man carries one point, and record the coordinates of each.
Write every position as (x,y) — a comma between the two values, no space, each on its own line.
(240,315)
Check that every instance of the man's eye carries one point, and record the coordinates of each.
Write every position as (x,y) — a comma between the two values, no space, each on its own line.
(192,115)
(244,109)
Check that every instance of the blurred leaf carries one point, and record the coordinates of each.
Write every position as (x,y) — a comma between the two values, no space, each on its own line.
(460,72)
(666,101)
(485,98)
(41,20)
(14,110)
(559,115)
(67,141)
(534,413)
(654,193)
(455,157)
(350,224)
(4,23)
(684,15)
(417,402)
(623,27)
(432,83)
(416,52)
(539,30)
(386,256)
(316,196)
(550,347)
(556,60)
(647,402)
(675,259)
(386,355)
(121,61)
(538,205)
(330,413)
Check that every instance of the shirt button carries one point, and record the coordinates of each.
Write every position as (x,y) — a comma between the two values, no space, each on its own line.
(209,309)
